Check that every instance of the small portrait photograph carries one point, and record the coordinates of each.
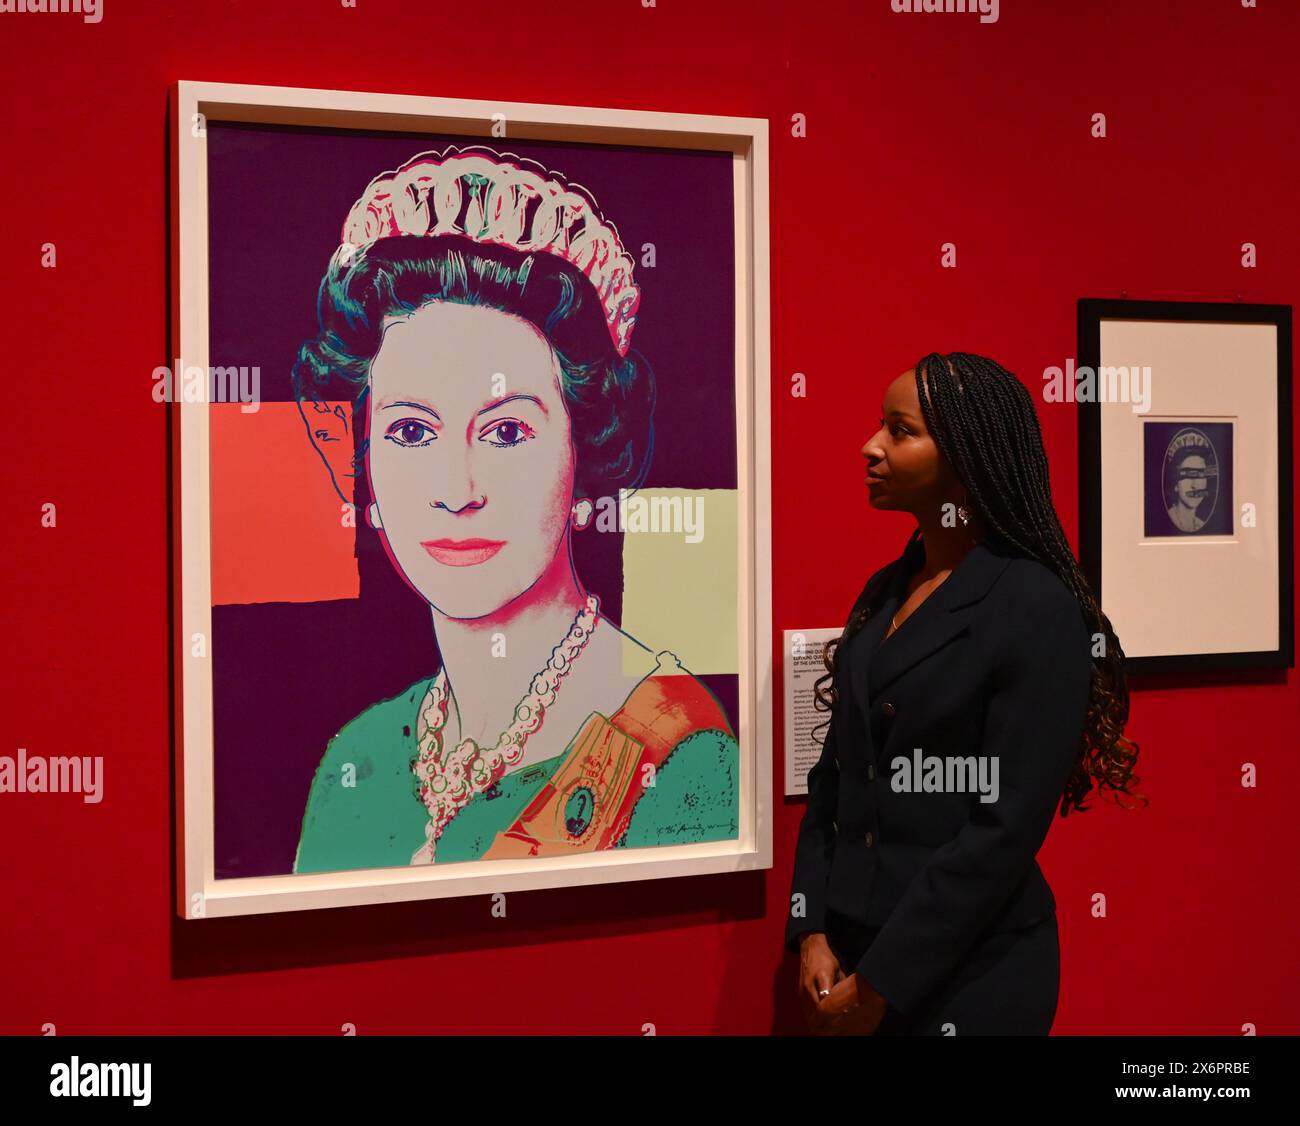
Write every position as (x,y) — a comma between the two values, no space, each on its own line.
(473,547)
(1188,478)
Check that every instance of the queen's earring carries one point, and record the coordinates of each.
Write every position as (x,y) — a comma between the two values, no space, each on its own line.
(372,516)
(963,513)
(581,512)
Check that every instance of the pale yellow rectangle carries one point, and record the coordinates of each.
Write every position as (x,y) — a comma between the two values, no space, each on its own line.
(679,578)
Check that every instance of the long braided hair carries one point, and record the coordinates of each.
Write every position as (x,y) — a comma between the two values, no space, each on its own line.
(983,421)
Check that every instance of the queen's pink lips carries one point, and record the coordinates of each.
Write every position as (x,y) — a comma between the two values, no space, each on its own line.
(462,553)
(874,478)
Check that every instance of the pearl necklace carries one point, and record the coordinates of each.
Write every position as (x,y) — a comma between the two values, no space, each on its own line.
(447,782)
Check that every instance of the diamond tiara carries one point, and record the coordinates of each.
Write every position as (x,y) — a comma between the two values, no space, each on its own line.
(502,199)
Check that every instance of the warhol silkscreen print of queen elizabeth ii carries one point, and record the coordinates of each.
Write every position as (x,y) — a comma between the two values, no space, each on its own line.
(505,469)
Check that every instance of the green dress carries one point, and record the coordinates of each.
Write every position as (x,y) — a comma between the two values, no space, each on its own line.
(364,811)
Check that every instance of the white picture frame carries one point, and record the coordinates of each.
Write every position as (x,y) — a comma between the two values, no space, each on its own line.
(195,105)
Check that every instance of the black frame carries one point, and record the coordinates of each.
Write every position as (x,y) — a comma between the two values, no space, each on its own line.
(1091,312)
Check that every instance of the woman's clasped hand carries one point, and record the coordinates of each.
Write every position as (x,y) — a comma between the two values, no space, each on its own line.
(849,1006)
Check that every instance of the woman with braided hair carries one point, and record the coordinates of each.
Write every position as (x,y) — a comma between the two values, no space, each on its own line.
(977,688)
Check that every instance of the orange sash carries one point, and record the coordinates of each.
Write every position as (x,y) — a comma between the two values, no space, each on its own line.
(587,803)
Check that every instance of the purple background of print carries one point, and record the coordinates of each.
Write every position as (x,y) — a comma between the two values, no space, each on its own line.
(1156,438)
(287,676)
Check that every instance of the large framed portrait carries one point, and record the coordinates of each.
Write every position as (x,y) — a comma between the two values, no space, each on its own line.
(470,444)
(1185,495)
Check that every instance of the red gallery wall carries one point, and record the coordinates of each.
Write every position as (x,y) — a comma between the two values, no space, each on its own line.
(922,129)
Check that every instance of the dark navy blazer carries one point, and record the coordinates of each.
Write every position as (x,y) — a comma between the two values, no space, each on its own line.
(995,662)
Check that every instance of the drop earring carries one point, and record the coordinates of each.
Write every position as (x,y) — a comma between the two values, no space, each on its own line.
(581,512)
(372,516)
(964,512)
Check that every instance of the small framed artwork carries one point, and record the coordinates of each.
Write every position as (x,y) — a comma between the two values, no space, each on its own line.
(470,468)
(1185,490)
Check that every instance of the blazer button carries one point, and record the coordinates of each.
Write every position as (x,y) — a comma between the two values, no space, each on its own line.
(869,840)
(871,773)
(887,708)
